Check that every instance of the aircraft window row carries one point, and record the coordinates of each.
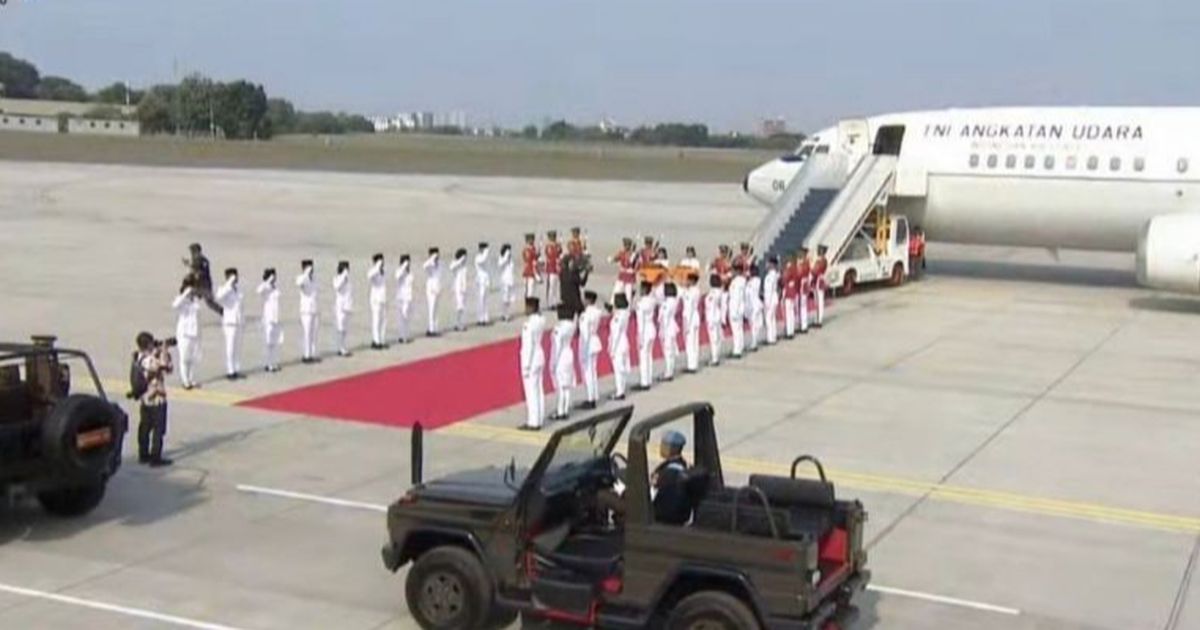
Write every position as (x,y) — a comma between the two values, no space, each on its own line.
(1071,162)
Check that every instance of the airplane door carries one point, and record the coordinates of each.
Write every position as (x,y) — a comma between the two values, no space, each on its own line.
(854,138)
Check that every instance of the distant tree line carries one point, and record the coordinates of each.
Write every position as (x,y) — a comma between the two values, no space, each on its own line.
(662,134)
(196,106)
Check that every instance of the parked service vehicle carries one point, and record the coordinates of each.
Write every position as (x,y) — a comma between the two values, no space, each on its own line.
(872,256)
(549,543)
(58,446)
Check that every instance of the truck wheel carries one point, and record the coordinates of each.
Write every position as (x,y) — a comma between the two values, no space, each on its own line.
(712,610)
(848,282)
(448,589)
(897,275)
(72,501)
(81,434)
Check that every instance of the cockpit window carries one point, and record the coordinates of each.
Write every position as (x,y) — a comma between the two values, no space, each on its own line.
(822,149)
(804,151)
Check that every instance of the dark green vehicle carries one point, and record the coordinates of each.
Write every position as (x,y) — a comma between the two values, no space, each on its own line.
(55,445)
(557,542)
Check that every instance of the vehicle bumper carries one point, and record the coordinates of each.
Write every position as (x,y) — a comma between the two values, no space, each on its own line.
(392,558)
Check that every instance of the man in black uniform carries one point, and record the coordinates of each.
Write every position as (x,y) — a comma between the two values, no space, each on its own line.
(197,264)
(671,503)
(573,276)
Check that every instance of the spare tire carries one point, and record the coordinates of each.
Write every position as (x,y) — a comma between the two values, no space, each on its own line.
(81,436)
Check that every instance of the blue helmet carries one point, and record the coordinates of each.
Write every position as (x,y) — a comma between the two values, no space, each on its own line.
(674,440)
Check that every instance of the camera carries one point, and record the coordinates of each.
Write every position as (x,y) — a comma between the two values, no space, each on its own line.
(169,342)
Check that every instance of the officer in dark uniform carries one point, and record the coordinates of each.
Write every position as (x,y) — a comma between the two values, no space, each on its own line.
(197,264)
(671,503)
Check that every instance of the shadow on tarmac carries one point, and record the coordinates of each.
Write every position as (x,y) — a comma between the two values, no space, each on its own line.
(1166,304)
(1025,272)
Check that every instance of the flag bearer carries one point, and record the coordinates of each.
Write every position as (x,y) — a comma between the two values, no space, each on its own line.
(532,363)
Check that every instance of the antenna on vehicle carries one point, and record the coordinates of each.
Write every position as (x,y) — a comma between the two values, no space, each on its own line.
(418,452)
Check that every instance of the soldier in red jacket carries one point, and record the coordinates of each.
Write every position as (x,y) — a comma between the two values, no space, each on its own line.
(626,271)
(804,286)
(529,264)
(818,278)
(553,258)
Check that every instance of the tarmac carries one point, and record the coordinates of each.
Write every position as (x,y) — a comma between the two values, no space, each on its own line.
(1022,427)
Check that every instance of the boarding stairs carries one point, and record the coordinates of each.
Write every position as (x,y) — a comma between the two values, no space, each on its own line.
(825,204)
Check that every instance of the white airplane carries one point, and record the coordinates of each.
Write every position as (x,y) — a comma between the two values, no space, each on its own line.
(1098,178)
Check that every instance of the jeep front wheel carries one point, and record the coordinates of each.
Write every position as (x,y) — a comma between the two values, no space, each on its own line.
(712,610)
(448,589)
(73,500)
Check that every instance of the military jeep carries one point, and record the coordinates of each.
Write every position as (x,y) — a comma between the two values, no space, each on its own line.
(58,446)
(549,543)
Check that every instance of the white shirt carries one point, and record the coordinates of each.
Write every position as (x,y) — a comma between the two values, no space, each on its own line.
(533,358)
(344,292)
(753,293)
(562,352)
(459,268)
(377,280)
(505,263)
(308,293)
(433,274)
(690,263)
(666,316)
(691,308)
(589,330)
(618,332)
(737,296)
(645,318)
(404,283)
(481,266)
(270,296)
(771,287)
(187,312)
(712,309)
(229,296)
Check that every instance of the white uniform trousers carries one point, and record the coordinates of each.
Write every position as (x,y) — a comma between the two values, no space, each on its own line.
(716,339)
(789,317)
(403,310)
(756,326)
(564,382)
(535,398)
(646,362)
(737,330)
(670,350)
(506,300)
(553,290)
(431,306)
(272,337)
(481,306)
(692,348)
(189,357)
(233,348)
(803,309)
(379,324)
(591,378)
(530,287)
(308,341)
(770,321)
(460,309)
(341,321)
(820,307)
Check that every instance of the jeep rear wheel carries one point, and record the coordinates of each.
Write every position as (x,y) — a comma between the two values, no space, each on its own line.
(73,500)
(712,610)
(448,589)
(81,435)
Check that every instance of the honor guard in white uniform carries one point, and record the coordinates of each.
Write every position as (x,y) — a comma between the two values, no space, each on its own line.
(187,331)
(691,321)
(754,305)
(404,296)
(229,296)
(433,290)
(377,282)
(737,311)
(819,284)
(343,305)
(562,352)
(533,362)
(458,273)
(268,290)
(646,305)
(770,290)
(804,286)
(712,319)
(618,344)
(309,314)
(690,261)
(668,329)
(483,283)
(590,347)
(507,281)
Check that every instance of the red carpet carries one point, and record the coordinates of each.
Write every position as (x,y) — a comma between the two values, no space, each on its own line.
(436,391)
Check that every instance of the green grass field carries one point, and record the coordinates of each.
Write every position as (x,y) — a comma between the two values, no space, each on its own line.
(394,153)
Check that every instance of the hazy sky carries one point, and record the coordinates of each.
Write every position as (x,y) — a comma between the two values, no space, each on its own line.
(725,63)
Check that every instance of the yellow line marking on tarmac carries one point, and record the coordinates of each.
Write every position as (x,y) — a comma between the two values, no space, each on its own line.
(116,391)
(862,481)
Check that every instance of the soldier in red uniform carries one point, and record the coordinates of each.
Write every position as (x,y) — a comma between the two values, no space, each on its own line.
(722,268)
(648,253)
(804,286)
(916,253)
(553,258)
(576,247)
(626,271)
(791,293)
(529,266)
(818,280)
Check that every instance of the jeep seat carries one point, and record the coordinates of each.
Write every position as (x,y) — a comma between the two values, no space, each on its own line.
(596,556)
(809,502)
(16,403)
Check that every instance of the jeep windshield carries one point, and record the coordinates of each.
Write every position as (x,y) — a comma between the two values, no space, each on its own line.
(577,448)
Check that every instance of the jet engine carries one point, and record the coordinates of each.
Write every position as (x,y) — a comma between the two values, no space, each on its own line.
(1168,253)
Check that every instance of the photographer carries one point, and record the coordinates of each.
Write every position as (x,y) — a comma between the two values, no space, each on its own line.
(153,360)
